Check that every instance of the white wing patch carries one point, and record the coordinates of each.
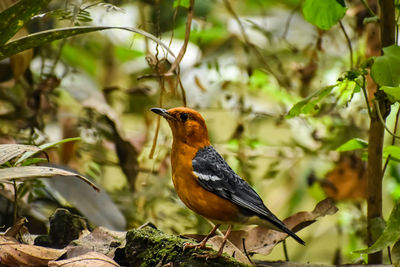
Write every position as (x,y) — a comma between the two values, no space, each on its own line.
(206,177)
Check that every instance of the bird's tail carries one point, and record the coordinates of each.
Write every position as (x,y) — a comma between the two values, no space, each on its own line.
(276,224)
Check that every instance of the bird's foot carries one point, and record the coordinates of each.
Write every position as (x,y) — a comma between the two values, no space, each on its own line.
(200,245)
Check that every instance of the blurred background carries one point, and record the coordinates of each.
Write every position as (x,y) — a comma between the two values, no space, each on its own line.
(246,65)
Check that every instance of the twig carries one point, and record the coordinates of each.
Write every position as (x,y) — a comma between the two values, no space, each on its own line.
(376,104)
(366,97)
(186,41)
(348,43)
(246,253)
(15,207)
(153,147)
(285,250)
(370,11)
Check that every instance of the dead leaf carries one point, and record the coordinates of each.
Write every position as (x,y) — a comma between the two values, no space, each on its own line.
(32,172)
(262,240)
(10,151)
(199,84)
(347,181)
(101,240)
(14,230)
(12,254)
(230,249)
(89,259)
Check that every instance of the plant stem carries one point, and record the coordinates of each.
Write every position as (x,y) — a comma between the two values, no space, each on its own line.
(375,147)
(15,207)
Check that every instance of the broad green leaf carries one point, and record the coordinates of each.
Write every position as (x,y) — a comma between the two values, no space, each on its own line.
(40,38)
(10,151)
(14,18)
(323,14)
(44,147)
(392,92)
(386,68)
(309,104)
(390,235)
(353,144)
(393,151)
(32,172)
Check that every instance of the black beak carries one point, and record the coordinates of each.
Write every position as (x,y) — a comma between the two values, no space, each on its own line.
(163,112)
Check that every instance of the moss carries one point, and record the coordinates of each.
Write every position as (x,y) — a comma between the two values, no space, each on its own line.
(64,227)
(150,247)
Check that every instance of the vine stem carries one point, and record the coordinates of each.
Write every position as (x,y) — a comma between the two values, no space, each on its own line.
(366,97)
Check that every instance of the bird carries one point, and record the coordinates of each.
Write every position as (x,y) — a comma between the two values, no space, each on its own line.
(205,182)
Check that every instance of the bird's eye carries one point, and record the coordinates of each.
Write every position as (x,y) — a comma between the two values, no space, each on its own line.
(184,117)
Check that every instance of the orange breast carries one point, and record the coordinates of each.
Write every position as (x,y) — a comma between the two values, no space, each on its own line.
(194,195)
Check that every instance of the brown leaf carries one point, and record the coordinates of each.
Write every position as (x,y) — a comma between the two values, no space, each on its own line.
(10,151)
(13,254)
(89,259)
(348,180)
(229,249)
(14,230)
(32,172)
(262,240)
(20,62)
(101,240)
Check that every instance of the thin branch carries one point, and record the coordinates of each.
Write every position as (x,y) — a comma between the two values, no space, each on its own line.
(15,206)
(186,41)
(285,250)
(370,11)
(366,97)
(348,43)
(246,253)
(376,104)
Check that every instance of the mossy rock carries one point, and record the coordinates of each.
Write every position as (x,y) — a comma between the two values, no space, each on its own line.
(150,247)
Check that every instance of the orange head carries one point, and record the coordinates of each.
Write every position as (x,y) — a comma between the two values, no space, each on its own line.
(187,126)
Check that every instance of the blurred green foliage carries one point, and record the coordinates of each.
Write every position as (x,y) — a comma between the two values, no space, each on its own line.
(277,92)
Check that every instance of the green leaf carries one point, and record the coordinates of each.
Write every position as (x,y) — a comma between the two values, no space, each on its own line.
(40,38)
(309,104)
(386,68)
(390,235)
(14,18)
(323,14)
(393,151)
(182,3)
(44,147)
(353,144)
(392,92)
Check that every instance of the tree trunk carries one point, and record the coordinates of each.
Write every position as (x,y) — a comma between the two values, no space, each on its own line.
(374,169)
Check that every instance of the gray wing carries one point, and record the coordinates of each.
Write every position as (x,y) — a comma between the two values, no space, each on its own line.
(215,175)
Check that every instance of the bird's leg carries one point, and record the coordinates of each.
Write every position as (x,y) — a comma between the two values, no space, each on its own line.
(202,244)
(221,248)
